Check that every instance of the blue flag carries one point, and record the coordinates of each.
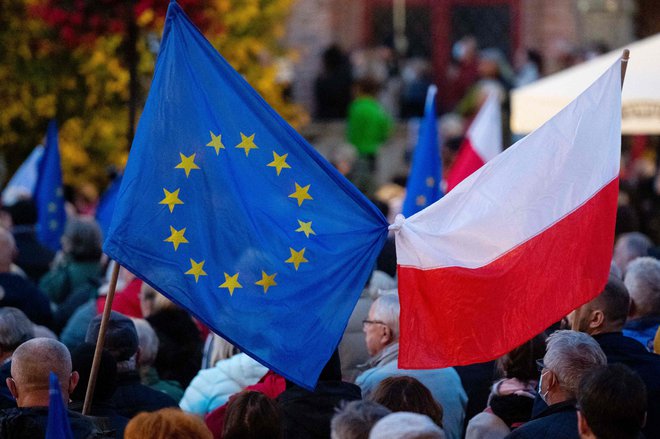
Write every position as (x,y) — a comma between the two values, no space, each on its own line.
(423,187)
(227,211)
(48,194)
(58,421)
(107,205)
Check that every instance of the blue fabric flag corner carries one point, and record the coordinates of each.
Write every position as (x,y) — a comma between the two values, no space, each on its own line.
(107,205)
(48,193)
(423,187)
(58,426)
(227,211)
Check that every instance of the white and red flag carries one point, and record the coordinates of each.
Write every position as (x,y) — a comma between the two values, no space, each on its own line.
(519,243)
(482,142)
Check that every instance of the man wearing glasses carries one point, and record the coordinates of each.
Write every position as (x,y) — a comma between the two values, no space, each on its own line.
(569,356)
(381,333)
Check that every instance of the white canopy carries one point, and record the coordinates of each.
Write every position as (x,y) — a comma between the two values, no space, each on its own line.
(534,104)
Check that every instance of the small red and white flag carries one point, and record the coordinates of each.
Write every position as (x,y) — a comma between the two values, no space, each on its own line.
(482,142)
(519,243)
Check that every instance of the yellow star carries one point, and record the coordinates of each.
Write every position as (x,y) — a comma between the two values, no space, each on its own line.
(187,164)
(196,269)
(420,200)
(279,162)
(231,283)
(176,237)
(297,257)
(171,199)
(306,228)
(266,281)
(59,192)
(216,142)
(247,143)
(52,207)
(430,181)
(52,225)
(301,194)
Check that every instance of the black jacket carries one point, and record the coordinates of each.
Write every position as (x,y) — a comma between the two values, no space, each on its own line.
(30,423)
(621,349)
(308,414)
(558,421)
(131,397)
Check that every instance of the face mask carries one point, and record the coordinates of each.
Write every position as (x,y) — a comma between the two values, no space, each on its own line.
(540,391)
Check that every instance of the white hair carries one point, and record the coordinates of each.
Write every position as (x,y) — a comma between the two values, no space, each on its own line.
(406,425)
(387,309)
(147,341)
(570,355)
(643,282)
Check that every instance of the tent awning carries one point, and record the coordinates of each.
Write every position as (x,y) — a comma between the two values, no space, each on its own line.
(533,104)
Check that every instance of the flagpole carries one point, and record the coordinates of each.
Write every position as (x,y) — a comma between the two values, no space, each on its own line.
(100,340)
(624,64)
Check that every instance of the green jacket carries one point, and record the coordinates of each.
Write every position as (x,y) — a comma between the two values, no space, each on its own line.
(64,279)
(368,125)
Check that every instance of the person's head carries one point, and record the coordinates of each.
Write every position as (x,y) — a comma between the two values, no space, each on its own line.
(106,378)
(7,250)
(23,212)
(15,329)
(520,363)
(251,415)
(367,86)
(407,394)
(569,356)
(405,425)
(355,419)
(152,302)
(611,403)
(166,423)
(606,313)
(381,328)
(630,246)
(31,365)
(82,240)
(642,279)
(121,339)
(147,342)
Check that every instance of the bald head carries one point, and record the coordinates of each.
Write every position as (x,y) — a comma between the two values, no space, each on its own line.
(7,250)
(31,365)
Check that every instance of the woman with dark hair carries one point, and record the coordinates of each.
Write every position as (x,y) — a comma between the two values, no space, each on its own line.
(512,397)
(251,415)
(407,394)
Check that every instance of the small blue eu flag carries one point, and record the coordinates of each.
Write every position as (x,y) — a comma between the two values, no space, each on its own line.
(58,426)
(48,194)
(227,211)
(423,187)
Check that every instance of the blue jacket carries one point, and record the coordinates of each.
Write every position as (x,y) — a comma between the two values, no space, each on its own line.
(444,384)
(558,421)
(643,330)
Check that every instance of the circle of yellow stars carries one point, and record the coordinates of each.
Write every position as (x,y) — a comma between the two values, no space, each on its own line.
(177,236)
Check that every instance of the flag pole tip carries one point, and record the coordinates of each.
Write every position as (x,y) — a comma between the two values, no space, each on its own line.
(626,55)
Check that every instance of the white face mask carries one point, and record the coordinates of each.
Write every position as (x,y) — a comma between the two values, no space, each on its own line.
(541,394)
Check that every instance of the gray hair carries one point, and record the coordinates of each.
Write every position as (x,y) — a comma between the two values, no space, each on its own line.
(82,239)
(387,309)
(643,282)
(15,329)
(570,355)
(355,419)
(147,341)
(406,425)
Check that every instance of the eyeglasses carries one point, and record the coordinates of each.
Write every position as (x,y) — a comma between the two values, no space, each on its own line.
(371,322)
(540,365)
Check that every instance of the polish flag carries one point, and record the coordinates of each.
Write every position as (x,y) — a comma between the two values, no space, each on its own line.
(519,243)
(482,142)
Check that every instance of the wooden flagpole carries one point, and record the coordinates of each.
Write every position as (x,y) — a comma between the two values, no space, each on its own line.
(624,65)
(100,340)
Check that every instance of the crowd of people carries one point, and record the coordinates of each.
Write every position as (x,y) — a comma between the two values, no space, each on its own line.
(161,373)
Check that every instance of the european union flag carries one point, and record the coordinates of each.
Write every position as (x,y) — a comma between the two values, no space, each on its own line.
(48,194)
(227,211)
(423,187)
(58,426)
